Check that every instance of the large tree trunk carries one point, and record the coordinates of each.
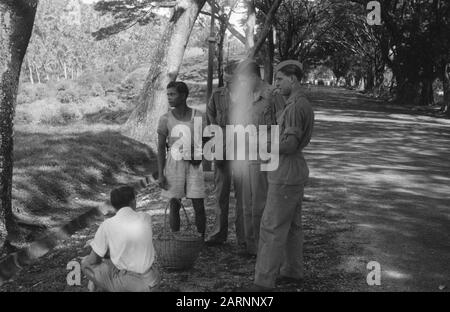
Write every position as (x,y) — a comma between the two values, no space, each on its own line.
(408,92)
(427,97)
(250,25)
(165,64)
(446,86)
(16,25)
(370,82)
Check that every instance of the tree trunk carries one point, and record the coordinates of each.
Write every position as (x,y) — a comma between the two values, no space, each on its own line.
(166,61)
(446,87)
(16,25)
(221,34)
(65,70)
(30,71)
(250,25)
(211,50)
(370,82)
(427,92)
(265,29)
(268,59)
(408,92)
(37,74)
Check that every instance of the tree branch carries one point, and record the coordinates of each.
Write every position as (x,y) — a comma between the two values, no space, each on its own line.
(230,27)
(265,30)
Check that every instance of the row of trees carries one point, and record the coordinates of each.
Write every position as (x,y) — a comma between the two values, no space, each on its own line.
(415,44)
(412,42)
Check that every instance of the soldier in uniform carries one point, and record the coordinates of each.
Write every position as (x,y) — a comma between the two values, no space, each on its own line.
(259,107)
(218,112)
(280,250)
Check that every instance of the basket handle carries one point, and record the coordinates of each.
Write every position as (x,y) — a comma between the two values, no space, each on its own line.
(189,224)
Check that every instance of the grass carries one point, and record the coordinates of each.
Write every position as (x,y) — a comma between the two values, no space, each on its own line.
(60,170)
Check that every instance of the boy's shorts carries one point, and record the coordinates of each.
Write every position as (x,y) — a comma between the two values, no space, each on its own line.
(184,179)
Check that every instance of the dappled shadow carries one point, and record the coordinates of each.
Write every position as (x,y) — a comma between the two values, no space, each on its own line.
(56,175)
(390,174)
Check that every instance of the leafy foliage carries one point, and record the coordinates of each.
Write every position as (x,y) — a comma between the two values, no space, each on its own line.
(126,13)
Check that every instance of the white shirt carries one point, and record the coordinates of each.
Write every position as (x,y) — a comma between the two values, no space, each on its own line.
(128,237)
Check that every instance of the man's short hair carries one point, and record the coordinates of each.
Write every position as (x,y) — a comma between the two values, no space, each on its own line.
(249,67)
(292,70)
(122,196)
(180,86)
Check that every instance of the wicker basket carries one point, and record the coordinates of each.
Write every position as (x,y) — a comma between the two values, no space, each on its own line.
(174,251)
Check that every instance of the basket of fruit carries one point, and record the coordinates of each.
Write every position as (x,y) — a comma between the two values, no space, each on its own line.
(178,250)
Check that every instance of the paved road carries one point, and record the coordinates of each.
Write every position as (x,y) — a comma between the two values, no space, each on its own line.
(388,172)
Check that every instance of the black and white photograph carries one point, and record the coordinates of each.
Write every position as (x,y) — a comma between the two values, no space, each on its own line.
(246,148)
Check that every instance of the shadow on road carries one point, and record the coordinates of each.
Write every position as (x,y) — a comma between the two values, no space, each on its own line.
(390,175)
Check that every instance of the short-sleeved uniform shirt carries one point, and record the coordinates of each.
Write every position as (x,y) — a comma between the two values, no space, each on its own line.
(258,112)
(297,119)
(128,238)
(255,108)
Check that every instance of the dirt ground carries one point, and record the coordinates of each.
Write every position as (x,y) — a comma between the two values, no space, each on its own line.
(378,192)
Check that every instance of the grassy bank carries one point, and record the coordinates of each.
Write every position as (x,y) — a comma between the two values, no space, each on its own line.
(58,171)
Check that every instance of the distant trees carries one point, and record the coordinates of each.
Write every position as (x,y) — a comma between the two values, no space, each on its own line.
(415,43)
(56,47)
(412,41)
(62,45)
(16,25)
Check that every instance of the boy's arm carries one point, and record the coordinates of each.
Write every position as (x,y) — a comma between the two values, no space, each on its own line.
(162,160)
(163,133)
